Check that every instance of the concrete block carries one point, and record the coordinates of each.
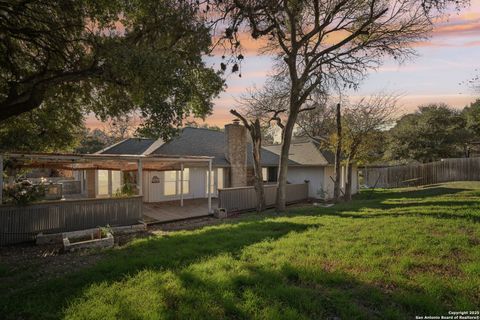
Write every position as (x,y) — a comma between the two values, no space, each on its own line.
(220,213)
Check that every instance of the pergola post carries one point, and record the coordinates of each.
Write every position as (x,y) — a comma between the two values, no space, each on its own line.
(208,186)
(181,184)
(140,177)
(1,179)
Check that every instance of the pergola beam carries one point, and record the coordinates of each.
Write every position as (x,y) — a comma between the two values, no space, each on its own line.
(104,162)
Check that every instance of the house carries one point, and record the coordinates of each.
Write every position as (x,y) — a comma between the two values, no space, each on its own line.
(232,165)
(196,164)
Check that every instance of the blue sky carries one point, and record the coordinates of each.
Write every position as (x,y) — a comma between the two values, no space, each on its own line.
(450,57)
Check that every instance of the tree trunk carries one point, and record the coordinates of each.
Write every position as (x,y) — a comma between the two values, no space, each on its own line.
(283,165)
(15,106)
(348,183)
(338,155)
(256,134)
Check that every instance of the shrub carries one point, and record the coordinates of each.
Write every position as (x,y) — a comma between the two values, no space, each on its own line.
(23,193)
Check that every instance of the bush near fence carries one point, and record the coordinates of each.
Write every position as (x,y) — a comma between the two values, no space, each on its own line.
(455,169)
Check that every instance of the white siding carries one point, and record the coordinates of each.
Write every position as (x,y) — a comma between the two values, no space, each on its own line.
(328,182)
(154,192)
(315,176)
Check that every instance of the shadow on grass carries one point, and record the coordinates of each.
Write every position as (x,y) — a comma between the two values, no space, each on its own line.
(433,209)
(441,208)
(264,291)
(428,191)
(294,293)
(155,253)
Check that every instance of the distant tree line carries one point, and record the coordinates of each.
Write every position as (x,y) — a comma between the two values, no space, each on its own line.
(433,132)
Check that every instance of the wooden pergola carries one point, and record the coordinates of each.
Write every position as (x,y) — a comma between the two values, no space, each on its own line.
(126,163)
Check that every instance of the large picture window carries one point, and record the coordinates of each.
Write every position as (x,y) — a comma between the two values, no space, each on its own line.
(170,183)
(105,178)
(265,174)
(211,184)
(116,181)
(186,181)
(220,178)
(102,183)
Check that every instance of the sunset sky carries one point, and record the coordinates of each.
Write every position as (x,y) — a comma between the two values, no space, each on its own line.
(449,58)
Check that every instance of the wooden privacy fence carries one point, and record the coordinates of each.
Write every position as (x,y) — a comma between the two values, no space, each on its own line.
(20,224)
(456,169)
(245,198)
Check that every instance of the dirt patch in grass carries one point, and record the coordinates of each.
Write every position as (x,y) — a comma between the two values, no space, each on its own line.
(448,270)
(40,263)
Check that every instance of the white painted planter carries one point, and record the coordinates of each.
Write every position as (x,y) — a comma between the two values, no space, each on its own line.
(57,238)
(69,245)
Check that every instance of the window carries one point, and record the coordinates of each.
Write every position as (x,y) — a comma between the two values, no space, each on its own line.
(220,178)
(84,181)
(102,182)
(265,174)
(169,183)
(212,182)
(116,181)
(272,174)
(186,181)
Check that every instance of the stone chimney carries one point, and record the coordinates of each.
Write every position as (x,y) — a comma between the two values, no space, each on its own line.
(236,153)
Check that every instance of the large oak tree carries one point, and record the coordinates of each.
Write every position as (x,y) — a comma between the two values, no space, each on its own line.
(323,43)
(112,56)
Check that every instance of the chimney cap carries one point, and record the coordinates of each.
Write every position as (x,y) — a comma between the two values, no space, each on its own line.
(236,121)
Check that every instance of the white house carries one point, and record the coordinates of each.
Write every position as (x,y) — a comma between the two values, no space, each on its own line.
(232,165)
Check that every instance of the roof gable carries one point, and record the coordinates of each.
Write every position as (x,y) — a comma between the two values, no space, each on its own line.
(132,146)
(302,153)
(196,142)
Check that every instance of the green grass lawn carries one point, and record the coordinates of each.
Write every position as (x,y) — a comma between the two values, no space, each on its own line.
(389,254)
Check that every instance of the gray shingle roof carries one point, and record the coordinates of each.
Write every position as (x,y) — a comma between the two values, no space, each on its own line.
(135,146)
(303,153)
(196,142)
(206,142)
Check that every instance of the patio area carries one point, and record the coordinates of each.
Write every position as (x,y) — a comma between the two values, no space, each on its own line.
(168,211)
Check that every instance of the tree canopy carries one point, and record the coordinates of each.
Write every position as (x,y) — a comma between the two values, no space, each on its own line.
(50,127)
(108,57)
(433,132)
(328,43)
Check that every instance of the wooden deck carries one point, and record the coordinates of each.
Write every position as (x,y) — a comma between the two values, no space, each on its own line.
(166,211)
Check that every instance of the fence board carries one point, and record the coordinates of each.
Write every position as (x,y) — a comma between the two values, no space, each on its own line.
(245,198)
(455,169)
(20,224)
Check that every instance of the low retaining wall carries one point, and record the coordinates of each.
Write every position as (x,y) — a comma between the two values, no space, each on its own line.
(23,223)
(245,198)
